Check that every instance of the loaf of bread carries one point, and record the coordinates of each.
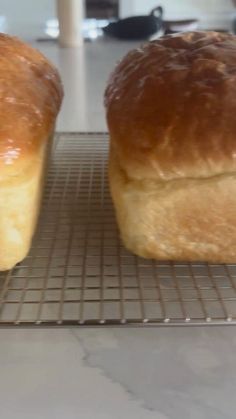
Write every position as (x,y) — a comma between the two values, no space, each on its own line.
(171,112)
(30,98)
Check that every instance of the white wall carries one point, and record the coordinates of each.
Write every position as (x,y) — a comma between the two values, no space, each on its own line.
(212,13)
(26,17)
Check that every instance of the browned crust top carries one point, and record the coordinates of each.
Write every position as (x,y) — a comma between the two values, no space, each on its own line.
(30,98)
(171,107)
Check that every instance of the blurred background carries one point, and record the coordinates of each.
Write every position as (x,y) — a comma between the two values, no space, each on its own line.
(31,19)
(90,54)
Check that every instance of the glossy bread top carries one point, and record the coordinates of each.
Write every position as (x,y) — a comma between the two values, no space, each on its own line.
(171,107)
(30,98)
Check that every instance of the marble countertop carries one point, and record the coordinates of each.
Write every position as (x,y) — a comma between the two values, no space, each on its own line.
(168,373)
(104,373)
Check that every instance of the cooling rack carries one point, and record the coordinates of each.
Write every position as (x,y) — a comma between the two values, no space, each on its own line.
(79,273)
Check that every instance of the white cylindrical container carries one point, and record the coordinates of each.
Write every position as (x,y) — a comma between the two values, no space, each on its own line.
(70,16)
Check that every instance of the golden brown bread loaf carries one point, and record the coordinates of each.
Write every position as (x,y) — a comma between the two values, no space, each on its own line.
(30,98)
(171,112)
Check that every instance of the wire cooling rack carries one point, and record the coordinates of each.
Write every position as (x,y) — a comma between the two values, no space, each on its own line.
(78,272)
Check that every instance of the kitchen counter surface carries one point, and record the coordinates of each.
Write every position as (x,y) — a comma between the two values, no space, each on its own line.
(171,373)
(104,373)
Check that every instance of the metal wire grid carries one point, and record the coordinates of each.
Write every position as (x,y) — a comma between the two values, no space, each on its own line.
(78,272)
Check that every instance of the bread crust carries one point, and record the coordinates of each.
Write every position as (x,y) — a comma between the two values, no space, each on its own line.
(181,219)
(171,107)
(30,97)
(171,112)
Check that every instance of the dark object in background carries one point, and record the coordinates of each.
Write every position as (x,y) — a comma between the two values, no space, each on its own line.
(102,9)
(176,26)
(136,27)
(234,26)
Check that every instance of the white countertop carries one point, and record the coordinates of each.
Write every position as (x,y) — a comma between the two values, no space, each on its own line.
(104,373)
(171,373)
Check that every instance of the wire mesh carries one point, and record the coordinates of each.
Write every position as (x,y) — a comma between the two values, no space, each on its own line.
(79,273)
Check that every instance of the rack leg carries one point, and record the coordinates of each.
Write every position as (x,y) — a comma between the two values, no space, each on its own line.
(70,16)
